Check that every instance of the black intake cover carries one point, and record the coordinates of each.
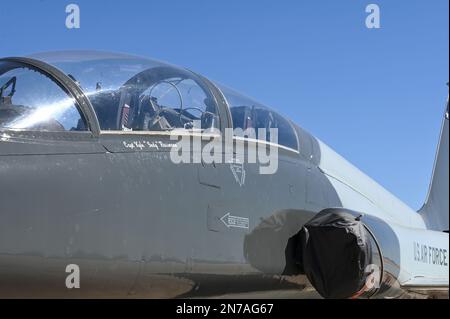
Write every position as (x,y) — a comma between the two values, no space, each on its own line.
(335,249)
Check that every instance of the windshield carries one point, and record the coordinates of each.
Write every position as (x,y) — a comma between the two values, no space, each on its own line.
(32,101)
(135,94)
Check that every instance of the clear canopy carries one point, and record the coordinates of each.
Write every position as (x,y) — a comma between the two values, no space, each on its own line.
(130,93)
(249,116)
(30,100)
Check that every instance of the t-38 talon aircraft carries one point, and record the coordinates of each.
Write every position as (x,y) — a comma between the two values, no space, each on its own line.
(92,204)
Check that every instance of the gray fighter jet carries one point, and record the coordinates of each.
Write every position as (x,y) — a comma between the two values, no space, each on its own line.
(122,176)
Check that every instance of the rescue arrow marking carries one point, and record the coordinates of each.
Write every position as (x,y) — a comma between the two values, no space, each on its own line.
(235,221)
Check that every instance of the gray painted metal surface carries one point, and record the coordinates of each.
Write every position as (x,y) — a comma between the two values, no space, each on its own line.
(139,225)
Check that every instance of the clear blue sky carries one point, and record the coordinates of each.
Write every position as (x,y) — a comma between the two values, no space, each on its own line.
(376,96)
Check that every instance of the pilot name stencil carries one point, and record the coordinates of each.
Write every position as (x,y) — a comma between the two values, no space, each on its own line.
(235,221)
(142,145)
